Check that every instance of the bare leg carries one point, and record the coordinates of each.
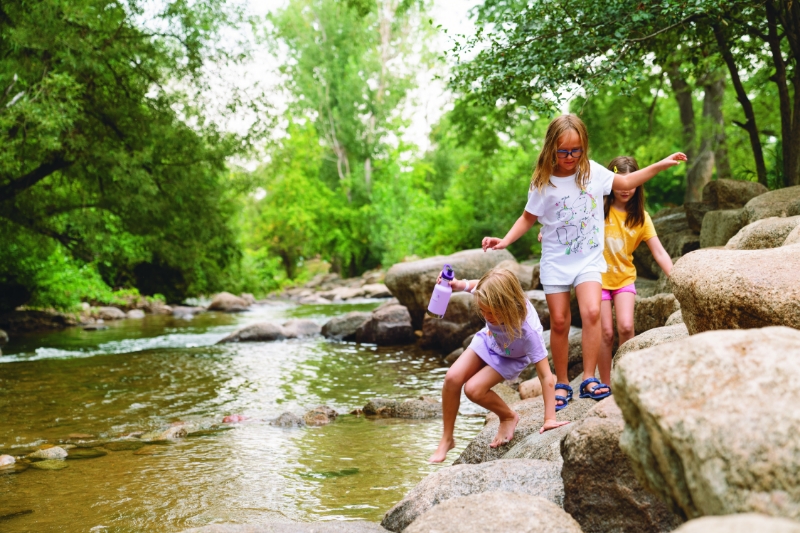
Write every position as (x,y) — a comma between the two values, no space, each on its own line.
(548,381)
(607,327)
(624,303)
(560,318)
(478,390)
(466,366)
(589,295)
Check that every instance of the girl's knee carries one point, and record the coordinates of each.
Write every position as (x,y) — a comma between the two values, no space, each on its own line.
(559,324)
(590,313)
(473,391)
(625,329)
(453,379)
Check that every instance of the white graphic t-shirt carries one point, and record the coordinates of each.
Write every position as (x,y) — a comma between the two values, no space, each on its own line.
(572,220)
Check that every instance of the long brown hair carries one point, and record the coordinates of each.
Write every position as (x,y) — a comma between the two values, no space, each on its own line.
(500,291)
(547,157)
(635,206)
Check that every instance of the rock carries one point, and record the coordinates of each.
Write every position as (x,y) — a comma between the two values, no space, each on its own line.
(412,282)
(674,319)
(653,337)
(574,358)
(320,416)
(80,436)
(287,420)
(21,321)
(110,313)
(467,341)
(676,236)
(50,464)
(768,232)
(539,302)
(344,327)
(419,408)
(334,526)
(381,407)
(261,332)
(531,414)
(299,328)
(721,436)
(778,203)
(793,237)
(248,298)
(6,461)
(523,476)
(389,325)
(542,446)
(495,511)
(152,449)
(730,194)
(3,337)
(339,294)
(448,333)
(670,220)
(601,491)
(530,388)
(171,433)
(732,289)
(739,523)
(313,300)
(653,312)
(524,273)
(695,213)
(506,393)
(376,290)
(186,312)
(453,356)
(720,226)
(123,445)
(55,452)
(536,282)
(135,313)
(228,303)
(85,453)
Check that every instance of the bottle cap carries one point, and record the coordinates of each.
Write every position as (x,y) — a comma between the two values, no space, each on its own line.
(447,273)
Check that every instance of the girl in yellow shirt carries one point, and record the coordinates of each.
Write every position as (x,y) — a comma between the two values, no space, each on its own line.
(627,224)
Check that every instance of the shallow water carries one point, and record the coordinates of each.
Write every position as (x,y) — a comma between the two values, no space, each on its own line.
(144,374)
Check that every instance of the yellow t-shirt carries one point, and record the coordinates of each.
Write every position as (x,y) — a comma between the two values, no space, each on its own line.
(619,246)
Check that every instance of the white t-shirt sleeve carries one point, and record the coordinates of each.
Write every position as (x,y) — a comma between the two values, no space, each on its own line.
(535,205)
(603,175)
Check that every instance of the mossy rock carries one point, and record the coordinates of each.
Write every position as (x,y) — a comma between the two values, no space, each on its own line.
(85,453)
(123,445)
(50,464)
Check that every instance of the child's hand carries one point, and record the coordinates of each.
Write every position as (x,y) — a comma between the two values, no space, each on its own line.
(456,285)
(540,235)
(671,161)
(492,243)
(552,424)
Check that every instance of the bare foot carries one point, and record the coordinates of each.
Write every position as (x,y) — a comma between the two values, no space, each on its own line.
(441,452)
(505,432)
(552,424)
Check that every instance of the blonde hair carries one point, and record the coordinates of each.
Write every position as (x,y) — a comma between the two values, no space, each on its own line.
(547,157)
(500,291)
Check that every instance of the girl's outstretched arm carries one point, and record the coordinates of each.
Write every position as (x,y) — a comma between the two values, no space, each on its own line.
(634,179)
(520,227)
(660,254)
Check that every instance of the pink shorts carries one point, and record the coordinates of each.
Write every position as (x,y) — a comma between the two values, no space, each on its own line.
(609,295)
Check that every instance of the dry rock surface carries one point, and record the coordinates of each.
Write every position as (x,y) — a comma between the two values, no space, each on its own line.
(654,337)
(653,312)
(228,303)
(740,523)
(720,226)
(712,421)
(768,232)
(778,203)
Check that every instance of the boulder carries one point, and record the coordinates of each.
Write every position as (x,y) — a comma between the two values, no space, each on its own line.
(601,491)
(670,220)
(674,319)
(3,337)
(653,312)
(376,290)
(524,476)
(343,328)
(777,203)
(55,452)
(695,213)
(342,293)
(388,325)
(732,289)
(423,407)
(531,388)
(381,407)
(768,232)
(531,415)
(248,298)
(712,421)
(536,282)
(506,393)
(793,237)
(453,356)
(333,526)
(730,194)
(676,244)
(299,328)
(320,416)
(135,313)
(261,332)
(228,303)
(461,320)
(574,359)
(412,282)
(541,446)
(110,313)
(539,302)
(524,273)
(287,420)
(653,337)
(739,523)
(720,226)
(495,511)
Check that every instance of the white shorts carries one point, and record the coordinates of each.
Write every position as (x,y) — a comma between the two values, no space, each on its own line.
(583,277)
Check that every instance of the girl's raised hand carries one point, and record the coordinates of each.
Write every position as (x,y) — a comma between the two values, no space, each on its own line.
(492,243)
(671,161)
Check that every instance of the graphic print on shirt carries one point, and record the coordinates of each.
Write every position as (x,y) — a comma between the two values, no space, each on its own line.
(579,223)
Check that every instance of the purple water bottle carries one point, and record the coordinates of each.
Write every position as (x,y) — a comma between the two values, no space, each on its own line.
(441,293)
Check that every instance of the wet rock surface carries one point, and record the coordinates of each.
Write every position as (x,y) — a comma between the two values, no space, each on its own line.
(320,416)
(299,328)
(50,464)
(261,332)
(344,327)
(287,420)
(387,326)
(292,527)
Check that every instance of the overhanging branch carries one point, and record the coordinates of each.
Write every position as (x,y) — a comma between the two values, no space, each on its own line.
(54,163)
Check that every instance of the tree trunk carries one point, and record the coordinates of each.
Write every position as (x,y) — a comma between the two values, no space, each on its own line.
(683,96)
(715,123)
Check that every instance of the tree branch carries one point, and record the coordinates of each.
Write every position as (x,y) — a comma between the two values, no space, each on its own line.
(54,163)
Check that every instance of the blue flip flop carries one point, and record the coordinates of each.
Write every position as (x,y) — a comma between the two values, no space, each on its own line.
(591,393)
(565,399)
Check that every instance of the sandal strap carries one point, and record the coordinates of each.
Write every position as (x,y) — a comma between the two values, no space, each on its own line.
(562,386)
(586,382)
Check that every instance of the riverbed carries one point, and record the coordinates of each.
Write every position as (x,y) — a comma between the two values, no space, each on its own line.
(140,375)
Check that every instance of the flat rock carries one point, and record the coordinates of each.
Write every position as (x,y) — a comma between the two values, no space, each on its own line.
(653,337)
(299,328)
(521,476)
(461,320)
(50,464)
(389,325)
(412,282)
(287,420)
(343,328)
(228,303)
(738,289)
(653,312)
(495,511)
(85,453)
(768,232)
(261,332)
(601,491)
(778,203)
(699,431)
(419,408)
(739,523)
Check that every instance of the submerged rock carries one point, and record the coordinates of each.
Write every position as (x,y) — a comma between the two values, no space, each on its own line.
(320,416)
(50,464)
(85,453)
(171,433)
(152,449)
(123,445)
(55,452)
(299,328)
(261,332)
(287,420)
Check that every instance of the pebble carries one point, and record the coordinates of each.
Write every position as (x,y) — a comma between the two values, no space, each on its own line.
(53,452)
(6,460)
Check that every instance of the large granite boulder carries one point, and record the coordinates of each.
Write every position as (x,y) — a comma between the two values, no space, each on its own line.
(531,418)
(524,476)
(228,303)
(461,320)
(261,332)
(739,523)
(412,283)
(343,328)
(712,421)
(675,235)
(793,237)
(731,289)
(542,446)
(653,337)
(653,312)
(495,511)
(601,491)
(387,326)
(721,194)
(778,203)
(674,319)
(720,226)
(768,232)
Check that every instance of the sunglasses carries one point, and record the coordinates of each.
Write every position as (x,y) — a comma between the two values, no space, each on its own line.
(563,154)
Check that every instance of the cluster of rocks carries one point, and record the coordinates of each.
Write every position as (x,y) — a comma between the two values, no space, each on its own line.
(332,288)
